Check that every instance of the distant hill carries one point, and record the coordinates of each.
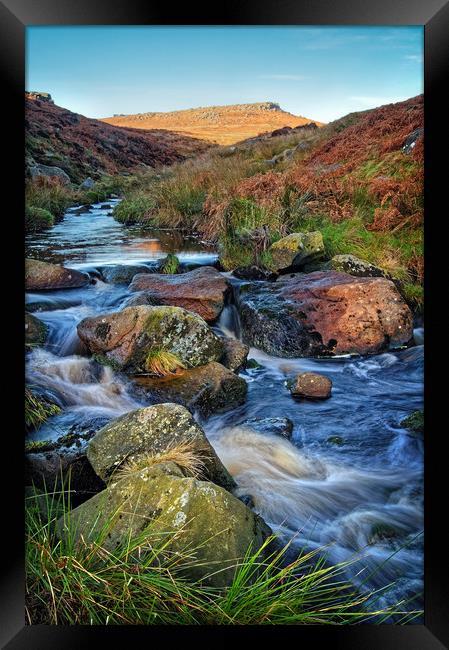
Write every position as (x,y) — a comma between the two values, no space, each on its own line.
(84,147)
(216,124)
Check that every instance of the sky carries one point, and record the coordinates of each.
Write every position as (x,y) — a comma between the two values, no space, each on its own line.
(318,72)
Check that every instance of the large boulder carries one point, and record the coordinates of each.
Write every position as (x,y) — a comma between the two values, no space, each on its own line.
(202,290)
(152,430)
(128,338)
(42,276)
(49,172)
(186,514)
(324,314)
(36,331)
(208,389)
(295,250)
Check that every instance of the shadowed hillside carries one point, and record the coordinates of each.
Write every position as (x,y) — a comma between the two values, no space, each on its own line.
(83,147)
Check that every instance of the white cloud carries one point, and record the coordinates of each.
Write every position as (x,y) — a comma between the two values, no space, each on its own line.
(373,101)
(418,58)
(283,77)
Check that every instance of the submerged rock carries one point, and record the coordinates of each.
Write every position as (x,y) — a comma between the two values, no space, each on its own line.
(235,354)
(324,314)
(153,430)
(253,272)
(201,291)
(208,389)
(311,385)
(414,422)
(295,250)
(127,339)
(121,273)
(36,331)
(204,519)
(275,426)
(42,276)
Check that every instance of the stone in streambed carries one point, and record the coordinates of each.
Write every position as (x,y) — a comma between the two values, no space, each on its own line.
(311,385)
(208,389)
(204,519)
(275,426)
(235,354)
(125,338)
(324,314)
(152,430)
(201,291)
(43,276)
(121,273)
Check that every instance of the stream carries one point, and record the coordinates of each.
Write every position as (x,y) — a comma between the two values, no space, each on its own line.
(348,497)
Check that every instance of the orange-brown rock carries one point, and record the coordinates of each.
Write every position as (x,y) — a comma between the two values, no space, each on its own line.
(325,313)
(202,291)
(42,276)
(311,385)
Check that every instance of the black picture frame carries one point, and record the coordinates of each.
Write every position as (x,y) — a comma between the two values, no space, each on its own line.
(15,15)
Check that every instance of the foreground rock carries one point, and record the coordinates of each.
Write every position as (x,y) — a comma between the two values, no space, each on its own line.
(35,331)
(202,291)
(323,314)
(204,519)
(153,430)
(208,389)
(42,276)
(235,354)
(295,250)
(131,338)
(311,385)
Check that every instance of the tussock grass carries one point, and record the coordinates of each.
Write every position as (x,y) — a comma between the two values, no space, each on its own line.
(37,219)
(163,362)
(143,583)
(37,410)
(184,454)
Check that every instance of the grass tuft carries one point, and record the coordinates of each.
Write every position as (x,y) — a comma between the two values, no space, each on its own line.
(38,410)
(184,454)
(162,363)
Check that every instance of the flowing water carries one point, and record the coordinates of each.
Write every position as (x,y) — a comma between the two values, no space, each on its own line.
(350,479)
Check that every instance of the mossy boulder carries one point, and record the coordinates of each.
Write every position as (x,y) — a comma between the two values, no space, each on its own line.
(201,291)
(414,422)
(152,430)
(295,250)
(36,331)
(169,265)
(195,516)
(43,276)
(126,338)
(208,389)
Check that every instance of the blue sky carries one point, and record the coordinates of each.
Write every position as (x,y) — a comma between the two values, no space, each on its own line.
(319,72)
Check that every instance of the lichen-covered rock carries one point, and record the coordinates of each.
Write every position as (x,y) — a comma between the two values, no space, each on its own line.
(126,338)
(202,290)
(152,430)
(355,266)
(43,276)
(311,385)
(121,273)
(50,172)
(213,525)
(208,389)
(275,426)
(324,314)
(295,250)
(36,331)
(235,354)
